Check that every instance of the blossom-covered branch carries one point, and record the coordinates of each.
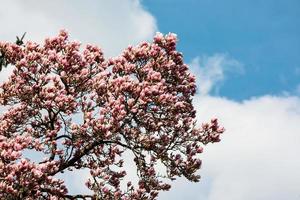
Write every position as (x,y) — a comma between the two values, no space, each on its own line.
(81,111)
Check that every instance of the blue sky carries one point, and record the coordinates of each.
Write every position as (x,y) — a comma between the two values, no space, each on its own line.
(246,59)
(261,34)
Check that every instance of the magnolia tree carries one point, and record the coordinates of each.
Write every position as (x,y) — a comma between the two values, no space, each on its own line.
(70,109)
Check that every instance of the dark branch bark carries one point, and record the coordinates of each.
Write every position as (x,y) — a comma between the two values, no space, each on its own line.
(79,196)
(85,151)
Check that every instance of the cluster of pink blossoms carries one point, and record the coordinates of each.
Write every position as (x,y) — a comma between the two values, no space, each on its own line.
(139,102)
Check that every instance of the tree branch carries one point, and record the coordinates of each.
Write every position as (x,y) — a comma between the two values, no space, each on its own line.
(84,152)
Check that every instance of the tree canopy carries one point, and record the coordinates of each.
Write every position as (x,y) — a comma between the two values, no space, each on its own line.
(78,110)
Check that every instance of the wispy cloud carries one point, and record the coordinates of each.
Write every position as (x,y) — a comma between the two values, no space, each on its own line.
(298,89)
(211,71)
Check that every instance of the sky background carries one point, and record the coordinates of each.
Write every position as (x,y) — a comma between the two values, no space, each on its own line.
(263,35)
(246,57)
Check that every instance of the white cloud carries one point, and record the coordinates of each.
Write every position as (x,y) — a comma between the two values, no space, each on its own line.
(210,71)
(258,155)
(112,25)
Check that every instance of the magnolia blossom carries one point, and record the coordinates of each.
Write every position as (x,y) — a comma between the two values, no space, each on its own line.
(139,102)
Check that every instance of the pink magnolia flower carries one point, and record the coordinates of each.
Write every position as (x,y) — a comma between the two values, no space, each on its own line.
(80,111)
